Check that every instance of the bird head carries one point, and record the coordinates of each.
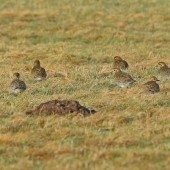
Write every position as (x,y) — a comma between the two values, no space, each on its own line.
(153,78)
(16,75)
(37,63)
(161,64)
(117,58)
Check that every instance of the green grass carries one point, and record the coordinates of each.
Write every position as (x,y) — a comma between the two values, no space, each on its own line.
(76,42)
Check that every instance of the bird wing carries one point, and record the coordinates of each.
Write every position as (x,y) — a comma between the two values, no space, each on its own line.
(34,70)
(18,84)
(148,84)
(151,85)
(43,72)
(125,64)
(127,77)
(38,72)
(22,85)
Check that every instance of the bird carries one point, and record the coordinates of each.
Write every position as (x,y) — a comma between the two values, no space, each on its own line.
(120,63)
(60,107)
(38,72)
(122,79)
(164,70)
(151,87)
(17,85)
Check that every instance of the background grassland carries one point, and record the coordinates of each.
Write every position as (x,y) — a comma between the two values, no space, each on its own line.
(76,42)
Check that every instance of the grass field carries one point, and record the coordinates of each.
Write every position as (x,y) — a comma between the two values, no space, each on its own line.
(76,41)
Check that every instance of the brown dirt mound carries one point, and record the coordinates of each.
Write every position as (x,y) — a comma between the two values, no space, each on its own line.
(60,107)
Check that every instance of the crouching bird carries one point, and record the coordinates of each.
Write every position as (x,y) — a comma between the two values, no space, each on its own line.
(151,87)
(60,107)
(122,79)
(120,63)
(17,85)
(38,72)
(164,70)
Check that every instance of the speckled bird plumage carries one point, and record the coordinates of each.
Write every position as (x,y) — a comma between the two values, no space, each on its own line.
(151,86)
(122,79)
(17,85)
(38,72)
(120,63)
(164,70)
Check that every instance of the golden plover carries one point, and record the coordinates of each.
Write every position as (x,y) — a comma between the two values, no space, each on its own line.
(164,70)
(120,63)
(17,85)
(122,79)
(151,86)
(38,72)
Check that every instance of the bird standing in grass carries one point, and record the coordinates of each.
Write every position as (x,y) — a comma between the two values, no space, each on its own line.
(164,70)
(122,79)
(17,85)
(151,86)
(38,72)
(120,63)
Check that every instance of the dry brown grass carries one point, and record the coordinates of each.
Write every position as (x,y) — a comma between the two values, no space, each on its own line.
(76,42)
